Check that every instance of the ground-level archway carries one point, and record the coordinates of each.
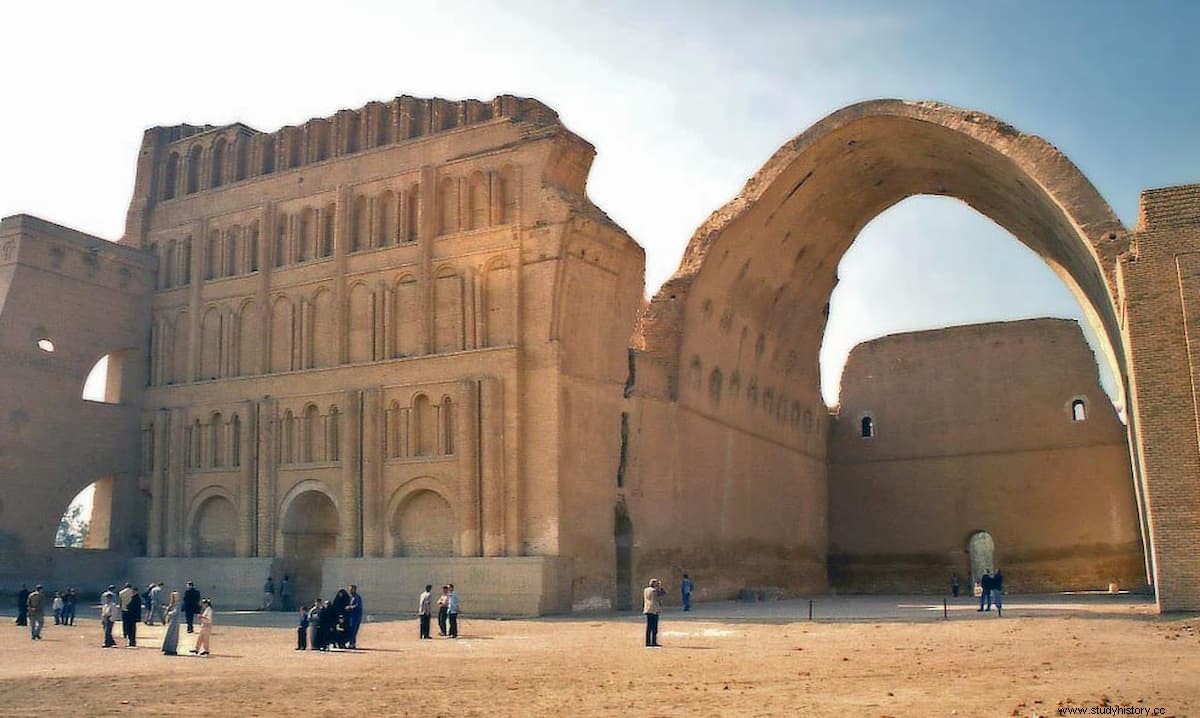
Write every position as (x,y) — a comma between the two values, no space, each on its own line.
(745,313)
(422,524)
(309,531)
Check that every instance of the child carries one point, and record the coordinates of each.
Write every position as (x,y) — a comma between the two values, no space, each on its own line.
(106,619)
(302,630)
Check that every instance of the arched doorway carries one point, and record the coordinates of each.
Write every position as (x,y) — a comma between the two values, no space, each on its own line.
(87,521)
(310,535)
(751,298)
(981,553)
(423,525)
(623,540)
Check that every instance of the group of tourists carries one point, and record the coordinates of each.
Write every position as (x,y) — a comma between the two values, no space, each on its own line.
(331,624)
(31,608)
(447,611)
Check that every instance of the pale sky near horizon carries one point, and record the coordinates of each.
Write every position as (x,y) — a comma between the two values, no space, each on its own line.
(683,100)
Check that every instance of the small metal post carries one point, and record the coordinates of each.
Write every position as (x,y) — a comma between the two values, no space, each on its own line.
(945,610)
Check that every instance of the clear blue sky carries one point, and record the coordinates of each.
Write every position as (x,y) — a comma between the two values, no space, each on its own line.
(683,100)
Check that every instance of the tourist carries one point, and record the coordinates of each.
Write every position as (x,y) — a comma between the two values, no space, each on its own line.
(133,616)
(108,610)
(452,611)
(997,588)
(35,613)
(954,585)
(302,629)
(354,616)
(22,608)
(206,624)
(191,604)
(652,606)
(314,626)
(285,593)
(335,623)
(268,594)
(423,610)
(170,645)
(70,598)
(443,603)
(685,590)
(985,585)
(57,607)
(111,592)
(126,596)
(156,604)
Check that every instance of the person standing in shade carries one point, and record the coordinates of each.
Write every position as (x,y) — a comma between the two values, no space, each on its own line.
(268,594)
(69,601)
(354,616)
(35,610)
(170,645)
(285,593)
(424,606)
(997,589)
(191,604)
(985,585)
(652,606)
(314,626)
(443,602)
(954,584)
(452,611)
(57,606)
(206,624)
(685,590)
(108,615)
(22,608)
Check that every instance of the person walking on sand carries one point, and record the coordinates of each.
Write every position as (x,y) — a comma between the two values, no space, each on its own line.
(133,616)
(35,608)
(685,591)
(170,645)
(156,605)
(985,585)
(354,616)
(206,624)
(652,606)
(70,598)
(268,594)
(997,589)
(424,605)
(22,606)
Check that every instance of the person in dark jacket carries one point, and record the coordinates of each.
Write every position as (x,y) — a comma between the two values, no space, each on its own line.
(997,589)
(985,583)
(132,615)
(191,604)
(22,609)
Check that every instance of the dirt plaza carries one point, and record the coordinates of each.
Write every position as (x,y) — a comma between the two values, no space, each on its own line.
(876,656)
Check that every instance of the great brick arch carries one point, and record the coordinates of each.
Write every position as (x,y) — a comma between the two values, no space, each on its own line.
(400,345)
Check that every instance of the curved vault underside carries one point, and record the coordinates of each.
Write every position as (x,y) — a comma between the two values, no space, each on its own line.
(765,264)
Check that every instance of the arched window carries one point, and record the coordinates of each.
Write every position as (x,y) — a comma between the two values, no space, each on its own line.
(422,427)
(868,427)
(268,154)
(233,242)
(325,245)
(308,231)
(170,176)
(1078,410)
(217,176)
(448,206)
(103,383)
(312,418)
(216,428)
(412,212)
(477,201)
(193,169)
(506,189)
(241,162)
(447,426)
(360,224)
(387,219)
(252,249)
(333,443)
(212,254)
(383,126)
(235,443)
(185,275)
(280,253)
(168,266)
(287,442)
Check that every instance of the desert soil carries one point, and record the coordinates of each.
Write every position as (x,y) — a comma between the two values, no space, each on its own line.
(971,665)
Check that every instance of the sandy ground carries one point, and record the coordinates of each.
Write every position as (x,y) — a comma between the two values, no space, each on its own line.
(1042,658)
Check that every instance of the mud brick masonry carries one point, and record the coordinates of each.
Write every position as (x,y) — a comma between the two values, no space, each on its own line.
(400,346)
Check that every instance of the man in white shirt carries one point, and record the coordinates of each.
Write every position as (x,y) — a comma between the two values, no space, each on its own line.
(652,606)
(424,607)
